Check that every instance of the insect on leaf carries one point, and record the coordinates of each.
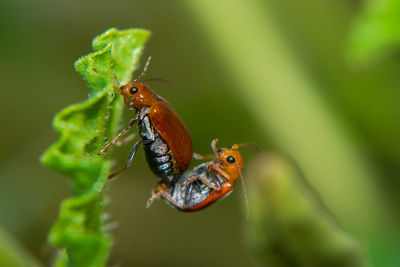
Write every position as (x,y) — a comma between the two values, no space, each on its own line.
(84,128)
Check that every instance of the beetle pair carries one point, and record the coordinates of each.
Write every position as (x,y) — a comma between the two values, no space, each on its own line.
(168,149)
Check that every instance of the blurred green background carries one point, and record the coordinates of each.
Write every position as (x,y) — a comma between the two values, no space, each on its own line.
(314,80)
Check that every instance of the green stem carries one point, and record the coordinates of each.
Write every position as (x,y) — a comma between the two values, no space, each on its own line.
(12,254)
(286,103)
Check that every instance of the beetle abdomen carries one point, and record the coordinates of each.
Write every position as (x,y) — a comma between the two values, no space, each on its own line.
(159,159)
(158,153)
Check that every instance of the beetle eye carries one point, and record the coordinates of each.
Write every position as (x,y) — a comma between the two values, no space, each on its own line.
(230,159)
(133,90)
(219,151)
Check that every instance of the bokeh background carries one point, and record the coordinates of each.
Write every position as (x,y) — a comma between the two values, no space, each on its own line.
(318,81)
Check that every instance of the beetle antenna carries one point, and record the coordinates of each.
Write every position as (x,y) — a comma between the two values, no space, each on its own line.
(116,79)
(146,66)
(118,85)
(244,189)
(213,146)
(157,80)
(251,145)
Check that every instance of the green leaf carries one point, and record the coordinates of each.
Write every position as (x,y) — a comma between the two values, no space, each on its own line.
(376,31)
(289,225)
(84,128)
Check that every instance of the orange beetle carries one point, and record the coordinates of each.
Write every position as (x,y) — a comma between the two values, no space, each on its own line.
(166,140)
(206,184)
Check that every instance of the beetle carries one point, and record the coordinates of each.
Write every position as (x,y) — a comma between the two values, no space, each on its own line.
(166,141)
(206,183)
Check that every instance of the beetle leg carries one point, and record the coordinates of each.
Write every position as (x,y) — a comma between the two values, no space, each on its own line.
(219,171)
(154,195)
(130,159)
(126,140)
(133,152)
(157,193)
(212,169)
(167,197)
(204,180)
(104,150)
